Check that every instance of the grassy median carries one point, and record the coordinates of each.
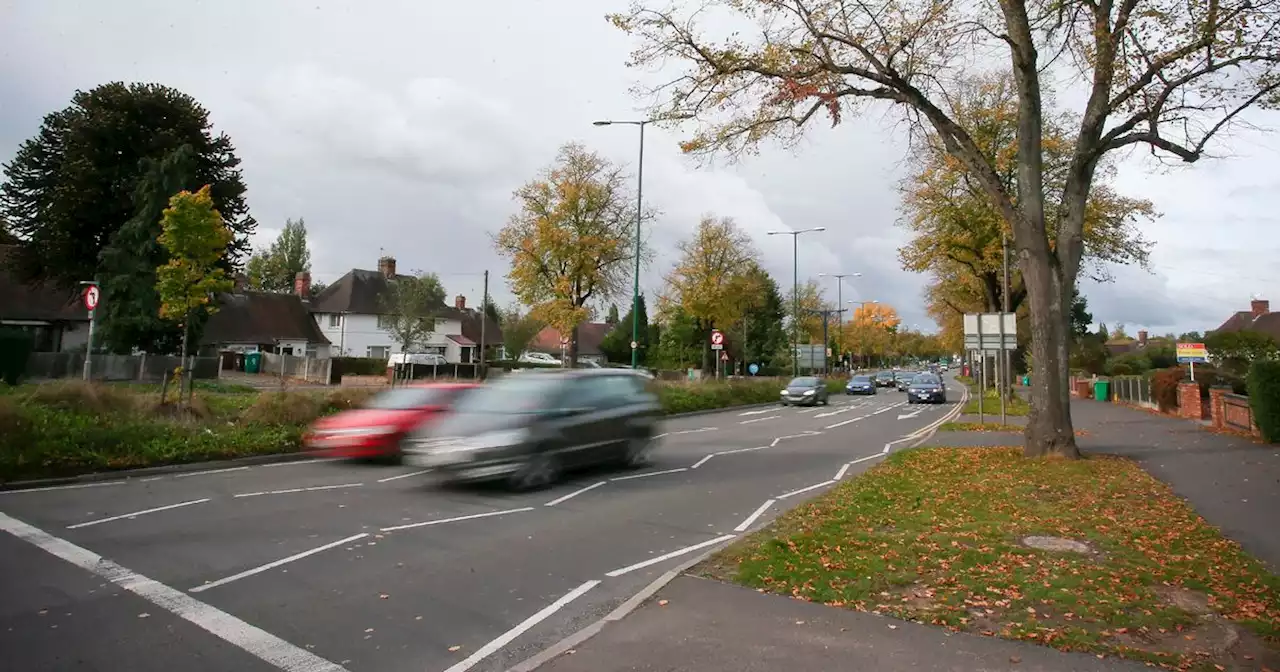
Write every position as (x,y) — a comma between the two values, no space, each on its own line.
(1015,405)
(938,536)
(979,427)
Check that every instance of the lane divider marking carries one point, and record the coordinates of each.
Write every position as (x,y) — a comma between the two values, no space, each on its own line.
(652,473)
(667,556)
(807,488)
(293,490)
(575,493)
(525,625)
(456,519)
(742,527)
(135,514)
(277,563)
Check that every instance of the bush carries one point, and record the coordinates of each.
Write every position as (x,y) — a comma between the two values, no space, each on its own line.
(15,350)
(700,396)
(1164,387)
(1264,398)
(77,395)
(284,408)
(1128,365)
(356,366)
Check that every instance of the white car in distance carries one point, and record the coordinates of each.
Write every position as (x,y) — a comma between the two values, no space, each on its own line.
(540,358)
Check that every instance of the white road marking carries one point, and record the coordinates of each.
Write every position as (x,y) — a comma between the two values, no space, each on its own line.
(135,514)
(408,475)
(257,642)
(441,521)
(742,527)
(836,412)
(794,436)
(703,461)
(810,410)
(652,473)
(763,410)
(506,637)
(845,422)
(864,459)
(771,417)
(277,563)
(293,490)
(575,493)
(667,556)
(209,471)
(74,486)
(742,450)
(912,414)
(294,463)
(686,431)
(153,478)
(889,445)
(807,488)
(843,470)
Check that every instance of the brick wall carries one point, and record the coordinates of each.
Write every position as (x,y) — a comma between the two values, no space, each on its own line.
(1189,401)
(1230,416)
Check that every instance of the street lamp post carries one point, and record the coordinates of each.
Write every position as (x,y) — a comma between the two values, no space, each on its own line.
(839,302)
(795,292)
(635,287)
(860,304)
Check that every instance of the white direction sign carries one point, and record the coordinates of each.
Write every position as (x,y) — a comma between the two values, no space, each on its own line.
(990,331)
(91,295)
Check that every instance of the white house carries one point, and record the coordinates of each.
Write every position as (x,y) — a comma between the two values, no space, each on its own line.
(351,313)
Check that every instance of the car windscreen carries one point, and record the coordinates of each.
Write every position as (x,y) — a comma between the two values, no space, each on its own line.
(925,380)
(803,381)
(408,398)
(514,394)
(884,375)
(862,379)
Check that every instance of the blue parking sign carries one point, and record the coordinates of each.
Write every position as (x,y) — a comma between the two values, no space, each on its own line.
(753,369)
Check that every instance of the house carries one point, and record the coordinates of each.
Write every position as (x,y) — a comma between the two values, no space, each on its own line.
(590,336)
(1258,318)
(56,318)
(278,323)
(1123,346)
(351,313)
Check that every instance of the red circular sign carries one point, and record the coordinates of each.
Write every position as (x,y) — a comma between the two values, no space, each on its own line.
(91,295)
(717,338)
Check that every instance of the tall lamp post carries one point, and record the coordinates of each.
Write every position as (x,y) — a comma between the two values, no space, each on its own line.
(635,287)
(795,292)
(859,305)
(839,302)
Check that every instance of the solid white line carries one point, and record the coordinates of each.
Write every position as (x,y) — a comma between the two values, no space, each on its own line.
(771,417)
(694,431)
(703,461)
(137,513)
(396,478)
(257,642)
(659,436)
(815,486)
(742,527)
(455,520)
(794,436)
(864,459)
(277,563)
(843,470)
(506,637)
(667,556)
(75,486)
(294,463)
(209,471)
(292,490)
(652,473)
(742,450)
(763,410)
(575,493)
(845,422)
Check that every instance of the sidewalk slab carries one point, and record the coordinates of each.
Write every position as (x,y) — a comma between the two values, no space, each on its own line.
(710,626)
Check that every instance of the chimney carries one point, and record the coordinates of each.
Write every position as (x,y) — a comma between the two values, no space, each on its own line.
(1259,307)
(240,283)
(1142,338)
(302,285)
(460,302)
(387,267)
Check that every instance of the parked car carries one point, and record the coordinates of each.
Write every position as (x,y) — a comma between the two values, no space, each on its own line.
(417,359)
(927,388)
(540,358)
(804,391)
(885,379)
(860,385)
(903,380)
(377,428)
(527,430)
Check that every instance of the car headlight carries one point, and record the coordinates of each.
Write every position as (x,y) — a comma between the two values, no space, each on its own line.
(783,392)
(808,392)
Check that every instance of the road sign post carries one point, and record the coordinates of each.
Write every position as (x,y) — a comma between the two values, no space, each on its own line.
(91,296)
(985,332)
(1192,354)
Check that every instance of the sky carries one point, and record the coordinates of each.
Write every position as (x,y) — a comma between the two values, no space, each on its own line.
(401,128)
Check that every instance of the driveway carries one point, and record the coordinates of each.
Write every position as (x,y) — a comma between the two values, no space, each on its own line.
(328,565)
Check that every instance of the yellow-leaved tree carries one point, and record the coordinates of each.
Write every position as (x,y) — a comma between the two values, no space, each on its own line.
(572,241)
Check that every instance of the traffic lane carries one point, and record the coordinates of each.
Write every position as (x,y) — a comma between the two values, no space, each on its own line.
(55,616)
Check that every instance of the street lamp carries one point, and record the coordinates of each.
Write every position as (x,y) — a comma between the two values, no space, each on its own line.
(635,288)
(839,300)
(795,292)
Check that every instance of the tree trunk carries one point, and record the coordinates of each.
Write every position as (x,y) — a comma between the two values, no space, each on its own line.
(704,329)
(183,362)
(1049,429)
(573,347)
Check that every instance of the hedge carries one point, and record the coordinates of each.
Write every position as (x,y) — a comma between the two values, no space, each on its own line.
(1264,398)
(15,351)
(356,366)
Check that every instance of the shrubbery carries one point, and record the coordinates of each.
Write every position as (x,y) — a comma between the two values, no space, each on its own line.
(15,350)
(1164,387)
(1264,398)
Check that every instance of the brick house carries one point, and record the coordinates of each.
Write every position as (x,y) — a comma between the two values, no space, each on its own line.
(590,336)
(1258,318)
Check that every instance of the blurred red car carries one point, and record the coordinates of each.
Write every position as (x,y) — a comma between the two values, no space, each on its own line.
(376,429)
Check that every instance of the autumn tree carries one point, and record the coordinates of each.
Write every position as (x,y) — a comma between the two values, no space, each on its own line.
(409,309)
(1162,75)
(572,240)
(519,328)
(193,234)
(276,268)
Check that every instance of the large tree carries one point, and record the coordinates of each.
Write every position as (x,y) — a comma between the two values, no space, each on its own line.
(73,186)
(276,268)
(518,331)
(617,343)
(572,241)
(1169,76)
(409,309)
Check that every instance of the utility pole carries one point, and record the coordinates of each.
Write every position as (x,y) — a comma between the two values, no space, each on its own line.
(826,313)
(635,288)
(840,302)
(484,321)
(1007,381)
(92,293)
(795,292)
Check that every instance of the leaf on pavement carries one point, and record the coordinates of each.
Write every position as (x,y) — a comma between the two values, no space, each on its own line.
(662,603)
(454,648)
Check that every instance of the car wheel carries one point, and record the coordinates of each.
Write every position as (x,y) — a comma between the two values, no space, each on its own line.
(637,453)
(539,471)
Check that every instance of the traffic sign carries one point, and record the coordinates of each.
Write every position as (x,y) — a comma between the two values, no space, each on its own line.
(724,356)
(91,295)
(717,340)
(634,345)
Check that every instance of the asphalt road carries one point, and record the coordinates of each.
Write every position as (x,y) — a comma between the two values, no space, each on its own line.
(326,566)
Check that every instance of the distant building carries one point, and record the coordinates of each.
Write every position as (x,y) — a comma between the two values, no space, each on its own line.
(275,322)
(56,318)
(590,336)
(1258,318)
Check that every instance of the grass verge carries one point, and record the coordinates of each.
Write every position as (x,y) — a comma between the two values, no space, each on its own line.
(978,427)
(935,536)
(1015,405)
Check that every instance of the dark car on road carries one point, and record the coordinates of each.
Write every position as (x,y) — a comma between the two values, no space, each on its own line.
(885,379)
(529,429)
(861,385)
(927,388)
(903,381)
(804,391)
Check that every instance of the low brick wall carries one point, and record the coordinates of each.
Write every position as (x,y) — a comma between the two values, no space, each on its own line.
(1189,406)
(1231,411)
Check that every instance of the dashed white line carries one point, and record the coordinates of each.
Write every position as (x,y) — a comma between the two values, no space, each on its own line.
(206,472)
(703,461)
(651,473)
(794,436)
(843,470)
(742,450)
(277,563)
(667,556)
(575,493)
(771,417)
(742,527)
(293,490)
(506,637)
(864,459)
(686,431)
(763,410)
(815,486)
(135,514)
(846,409)
(457,519)
(257,642)
(408,475)
(74,486)
(845,422)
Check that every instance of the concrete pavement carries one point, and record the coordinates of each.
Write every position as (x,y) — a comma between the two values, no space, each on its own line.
(308,566)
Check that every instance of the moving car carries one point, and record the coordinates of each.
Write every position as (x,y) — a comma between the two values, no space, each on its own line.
(927,388)
(540,358)
(377,428)
(885,379)
(903,380)
(805,391)
(527,430)
(861,385)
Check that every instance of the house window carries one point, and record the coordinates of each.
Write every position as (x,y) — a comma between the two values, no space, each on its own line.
(464,355)
(384,321)
(378,351)
(311,351)
(335,320)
